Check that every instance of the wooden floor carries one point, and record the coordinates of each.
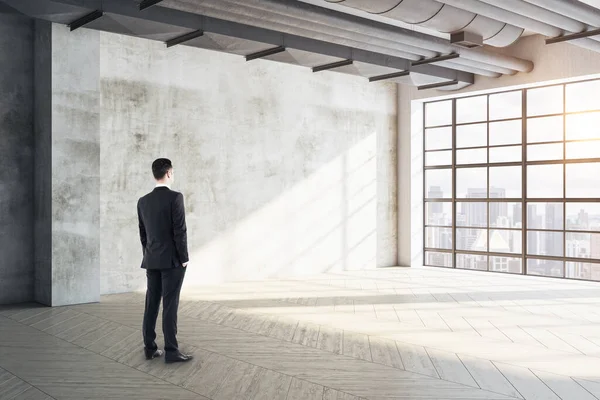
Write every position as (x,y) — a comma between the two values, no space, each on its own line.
(385,334)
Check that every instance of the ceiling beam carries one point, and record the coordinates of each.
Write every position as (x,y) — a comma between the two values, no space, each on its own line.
(333,65)
(389,76)
(437,85)
(86,19)
(148,3)
(573,36)
(435,59)
(207,24)
(183,38)
(265,53)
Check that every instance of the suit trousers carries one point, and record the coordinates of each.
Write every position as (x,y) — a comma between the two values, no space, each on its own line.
(165,284)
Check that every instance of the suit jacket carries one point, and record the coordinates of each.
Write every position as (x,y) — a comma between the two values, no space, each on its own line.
(163,232)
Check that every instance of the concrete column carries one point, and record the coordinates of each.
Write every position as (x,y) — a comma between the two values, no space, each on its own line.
(67,165)
(16,172)
(387,193)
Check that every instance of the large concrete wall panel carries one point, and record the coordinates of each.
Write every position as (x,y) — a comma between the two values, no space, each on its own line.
(16,159)
(75,166)
(284,172)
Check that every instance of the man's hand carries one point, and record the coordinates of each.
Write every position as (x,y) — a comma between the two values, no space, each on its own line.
(185,264)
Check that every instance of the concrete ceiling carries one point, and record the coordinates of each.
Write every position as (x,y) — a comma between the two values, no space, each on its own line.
(404,41)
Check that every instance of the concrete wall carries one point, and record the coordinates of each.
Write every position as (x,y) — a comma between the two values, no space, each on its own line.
(553,63)
(16,162)
(67,165)
(75,166)
(284,172)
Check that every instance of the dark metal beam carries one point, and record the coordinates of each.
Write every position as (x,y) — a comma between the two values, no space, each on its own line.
(437,85)
(194,21)
(86,19)
(148,3)
(265,53)
(183,38)
(389,76)
(566,38)
(338,64)
(435,59)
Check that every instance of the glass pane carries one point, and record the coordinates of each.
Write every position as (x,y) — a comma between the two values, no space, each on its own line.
(545,181)
(583,245)
(438,138)
(433,158)
(506,154)
(547,129)
(542,152)
(506,105)
(544,101)
(438,183)
(438,213)
(438,238)
(471,109)
(471,183)
(506,264)
(583,96)
(583,126)
(471,135)
(545,243)
(583,216)
(505,182)
(472,261)
(583,270)
(583,180)
(471,214)
(471,239)
(587,149)
(472,156)
(505,241)
(545,267)
(545,216)
(438,113)
(506,215)
(436,259)
(505,132)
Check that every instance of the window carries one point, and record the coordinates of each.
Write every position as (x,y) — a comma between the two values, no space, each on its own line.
(547,129)
(438,113)
(474,135)
(438,213)
(434,158)
(505,132)
(544,101)
(438,183)
(583,180)
(545,181)
(471,156)
(472,261)
(506,154)
(438,138)
(471,183)
(517,190)
(506,181)
(471,109)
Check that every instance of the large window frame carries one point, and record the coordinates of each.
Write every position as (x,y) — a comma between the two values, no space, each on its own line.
(542,249)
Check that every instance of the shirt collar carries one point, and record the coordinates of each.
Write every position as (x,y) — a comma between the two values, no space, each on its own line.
(162,185)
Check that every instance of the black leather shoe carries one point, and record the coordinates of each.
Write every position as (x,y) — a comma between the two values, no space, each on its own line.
(150,354)
(177,357)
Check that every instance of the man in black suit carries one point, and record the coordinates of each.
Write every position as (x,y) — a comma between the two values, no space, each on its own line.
(163,233)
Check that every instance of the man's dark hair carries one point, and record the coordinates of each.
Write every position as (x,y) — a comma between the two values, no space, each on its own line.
(160,167)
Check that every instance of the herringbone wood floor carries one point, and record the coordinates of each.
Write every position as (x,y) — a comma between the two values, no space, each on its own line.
(384,334)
